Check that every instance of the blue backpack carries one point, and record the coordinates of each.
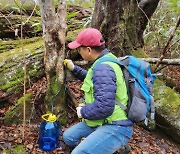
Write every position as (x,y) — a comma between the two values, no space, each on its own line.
(139,81)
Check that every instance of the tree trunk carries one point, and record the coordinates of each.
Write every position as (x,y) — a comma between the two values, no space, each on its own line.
(124,23)
(54,32)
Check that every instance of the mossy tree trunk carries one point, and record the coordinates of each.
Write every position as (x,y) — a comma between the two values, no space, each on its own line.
(54,32)
(123,22)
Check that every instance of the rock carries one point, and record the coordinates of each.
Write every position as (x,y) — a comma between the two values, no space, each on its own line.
(167,103)
(11,67)
(32,28)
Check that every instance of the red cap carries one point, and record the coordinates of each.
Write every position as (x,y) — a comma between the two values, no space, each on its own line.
(89,37)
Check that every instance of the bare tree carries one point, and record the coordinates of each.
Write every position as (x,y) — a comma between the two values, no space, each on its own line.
(123,22)
(54,33)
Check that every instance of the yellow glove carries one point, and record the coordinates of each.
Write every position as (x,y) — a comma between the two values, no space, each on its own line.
(69,64)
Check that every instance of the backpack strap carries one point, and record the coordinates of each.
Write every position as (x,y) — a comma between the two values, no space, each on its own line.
(121,105)
(108,59)
(152,108)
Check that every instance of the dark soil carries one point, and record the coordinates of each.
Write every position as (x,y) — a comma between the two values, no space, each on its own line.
(172,77)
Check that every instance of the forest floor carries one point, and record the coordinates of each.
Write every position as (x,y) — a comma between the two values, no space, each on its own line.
(142,142)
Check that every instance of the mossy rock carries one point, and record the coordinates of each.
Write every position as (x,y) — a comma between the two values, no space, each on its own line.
(11,67)
(15,114)
(32,28)
(14,44)
(139,53)
(167,103)
(71,35)
(11,64)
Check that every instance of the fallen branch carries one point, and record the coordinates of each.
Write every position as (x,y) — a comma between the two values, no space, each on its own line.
(150,60)
(164,61)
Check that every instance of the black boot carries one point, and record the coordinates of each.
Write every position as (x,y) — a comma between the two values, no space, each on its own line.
(124,150)
(68,150)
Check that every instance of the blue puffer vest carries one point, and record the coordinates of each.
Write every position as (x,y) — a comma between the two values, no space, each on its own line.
(120,93)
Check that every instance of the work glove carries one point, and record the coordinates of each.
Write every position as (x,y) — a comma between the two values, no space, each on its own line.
(78,109)
(69,64)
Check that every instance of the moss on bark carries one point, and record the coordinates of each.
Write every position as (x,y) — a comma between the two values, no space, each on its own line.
(55,99)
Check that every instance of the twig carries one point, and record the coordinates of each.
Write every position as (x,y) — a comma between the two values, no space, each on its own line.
(10,13)
(33,106)
(6,19)
(164,51)
(72,108)
(173,44)
(31,14)
(12,27)
(162,67)
(24,60)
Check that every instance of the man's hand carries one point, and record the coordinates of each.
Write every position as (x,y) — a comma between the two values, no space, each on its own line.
(78,109)
(69,64)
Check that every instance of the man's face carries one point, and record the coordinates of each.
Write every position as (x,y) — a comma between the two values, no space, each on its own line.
(85,52)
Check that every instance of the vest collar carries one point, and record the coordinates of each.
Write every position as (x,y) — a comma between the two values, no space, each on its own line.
(104,52)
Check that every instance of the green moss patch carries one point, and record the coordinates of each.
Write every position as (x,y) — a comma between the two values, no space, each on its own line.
(167,103)
(139,53)
(11,67)
(15,114)
(12,44)
(56,97)
(71,35)
(167,99)
(19,149)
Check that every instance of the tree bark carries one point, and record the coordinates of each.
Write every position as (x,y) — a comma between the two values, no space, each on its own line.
(146,10)
(54,32)
(124,23)
(98,14)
